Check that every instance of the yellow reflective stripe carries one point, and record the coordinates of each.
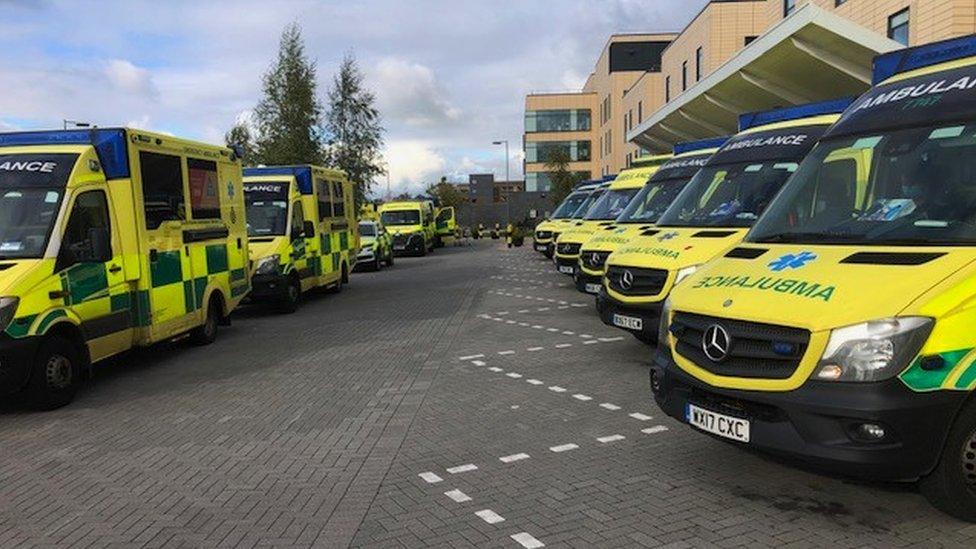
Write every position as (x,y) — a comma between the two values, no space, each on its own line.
(957,372)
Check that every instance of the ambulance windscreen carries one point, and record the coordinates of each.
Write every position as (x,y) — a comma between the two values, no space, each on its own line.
(266,204)
(31,189)
(400,217)
(572,202)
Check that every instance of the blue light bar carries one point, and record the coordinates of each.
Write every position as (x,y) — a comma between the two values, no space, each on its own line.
(890,64)
(110,145)
(702,144)
(302,174)
(761,118)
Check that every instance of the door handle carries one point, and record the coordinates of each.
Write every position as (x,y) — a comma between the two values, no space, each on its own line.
(58,294)
(114,269)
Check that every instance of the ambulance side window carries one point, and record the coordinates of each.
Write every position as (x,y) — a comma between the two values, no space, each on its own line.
(325,198)
(298,221)
(162,188)
(204,189)
(338,201)
(88,222)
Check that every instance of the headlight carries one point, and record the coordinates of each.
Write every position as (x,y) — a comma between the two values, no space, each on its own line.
(873,351)
(685,273)
(662,331)
(8,307)
(368,246)
(268,265)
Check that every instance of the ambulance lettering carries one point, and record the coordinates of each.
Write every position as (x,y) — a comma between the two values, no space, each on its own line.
(792,286)
(30,166)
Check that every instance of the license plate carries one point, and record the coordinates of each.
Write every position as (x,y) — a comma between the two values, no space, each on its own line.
(398,247)
(629,322)
(566,269)
(593,289)
(719,424)
(541,247)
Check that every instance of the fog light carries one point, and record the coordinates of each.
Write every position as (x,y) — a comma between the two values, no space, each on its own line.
(655,382)
(871,431)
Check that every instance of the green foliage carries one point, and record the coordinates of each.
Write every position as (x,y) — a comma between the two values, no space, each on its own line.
(563,180)
(240,137)
(355,128)
(445,193)
(289,115)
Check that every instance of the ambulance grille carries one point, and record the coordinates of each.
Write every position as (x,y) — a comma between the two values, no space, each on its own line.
(764,351)
(594,260)
(569,248)
(543,234)
(645,282)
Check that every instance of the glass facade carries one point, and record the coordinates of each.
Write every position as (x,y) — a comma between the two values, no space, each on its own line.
(541,181)
(541,151)
(562,120)
(898,27)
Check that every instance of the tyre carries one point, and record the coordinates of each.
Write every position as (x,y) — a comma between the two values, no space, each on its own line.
(206,333)
(337,287)
(293,296)
(951,486)
(389,259)
(55,374)
(377,264)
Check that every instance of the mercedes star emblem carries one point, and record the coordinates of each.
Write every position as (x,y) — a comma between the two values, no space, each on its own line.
(716,343)
(626,280)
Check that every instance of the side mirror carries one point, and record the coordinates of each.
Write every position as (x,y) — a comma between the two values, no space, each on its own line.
(101,246)
(308,229)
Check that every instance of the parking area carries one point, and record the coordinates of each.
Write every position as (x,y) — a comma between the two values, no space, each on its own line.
(469,398)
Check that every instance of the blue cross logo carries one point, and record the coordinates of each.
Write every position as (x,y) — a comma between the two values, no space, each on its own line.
(792,261)
(667,236)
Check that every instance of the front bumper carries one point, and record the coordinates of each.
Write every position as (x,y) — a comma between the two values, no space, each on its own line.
(268,287)
(366,254)
(16,357)
(584,279)
(816,423)
(411,245)
(650,314)
(567,265)
(541,244)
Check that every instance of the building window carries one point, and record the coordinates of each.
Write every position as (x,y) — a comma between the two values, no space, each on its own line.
(542,181)
(699,59)
(542,151)
(609,141)
(750,39)
(684,75)
(562,120)
(898,27)
(640,112)
(789,6)
(667,88)
(838,3)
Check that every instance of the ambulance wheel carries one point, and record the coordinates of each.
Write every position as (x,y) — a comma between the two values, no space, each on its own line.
(293,295)
(389,259)
(55,374)
(951,486)
(337,287)
(206,333)
(377,264)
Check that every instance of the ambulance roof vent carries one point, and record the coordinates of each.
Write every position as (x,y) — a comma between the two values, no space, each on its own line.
(109,143)
(890,64)
(691,146)
(302,174)
(761,118)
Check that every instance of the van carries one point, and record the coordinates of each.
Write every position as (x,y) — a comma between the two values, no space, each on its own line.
(840,333)
(546,231)
(376,246)
(604,211)
(411,224)
(303,231)
(111,239)
(663,185)
(712,213)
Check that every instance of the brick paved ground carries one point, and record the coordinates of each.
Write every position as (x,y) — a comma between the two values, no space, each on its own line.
(314,429)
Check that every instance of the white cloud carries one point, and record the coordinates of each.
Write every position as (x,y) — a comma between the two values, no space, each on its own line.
(409,92)
(129,78)
(412,166)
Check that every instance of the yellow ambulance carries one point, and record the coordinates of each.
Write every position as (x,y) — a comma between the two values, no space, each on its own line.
(711,214)
(303,232)
(411,223)
(662,187)
(841,332)
(547,230)
(109,239)
(603,212)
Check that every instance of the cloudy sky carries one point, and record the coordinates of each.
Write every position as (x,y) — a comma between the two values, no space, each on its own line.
(450,76)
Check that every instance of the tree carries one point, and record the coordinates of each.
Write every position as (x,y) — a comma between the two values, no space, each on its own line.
(289,115)
(240,137)
(355,128)
(562,180)
(446,193)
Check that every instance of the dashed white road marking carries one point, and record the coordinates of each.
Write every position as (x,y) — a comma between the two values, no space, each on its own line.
(654,430)
(561,307)
(490,516)
(458,496)
(527,540)
(586,336)
(524,310)
(540,309)
(609,406)
(640,416)
(611,438)
(509,322)
(513,375)
(462,468)
(537,326)
(569,333)
(590,342)
(478,362)
(506,352)
(470,357)
(534,381)
(580,396)
(513,457)
(557,389)
(609,339)
(523,323)
(500,313)
(430,478)
(563,345)
(496,369)
(563,447)
(534,349)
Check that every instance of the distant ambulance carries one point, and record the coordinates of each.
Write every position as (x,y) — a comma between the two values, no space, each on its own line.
(411,223)
(110,239)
